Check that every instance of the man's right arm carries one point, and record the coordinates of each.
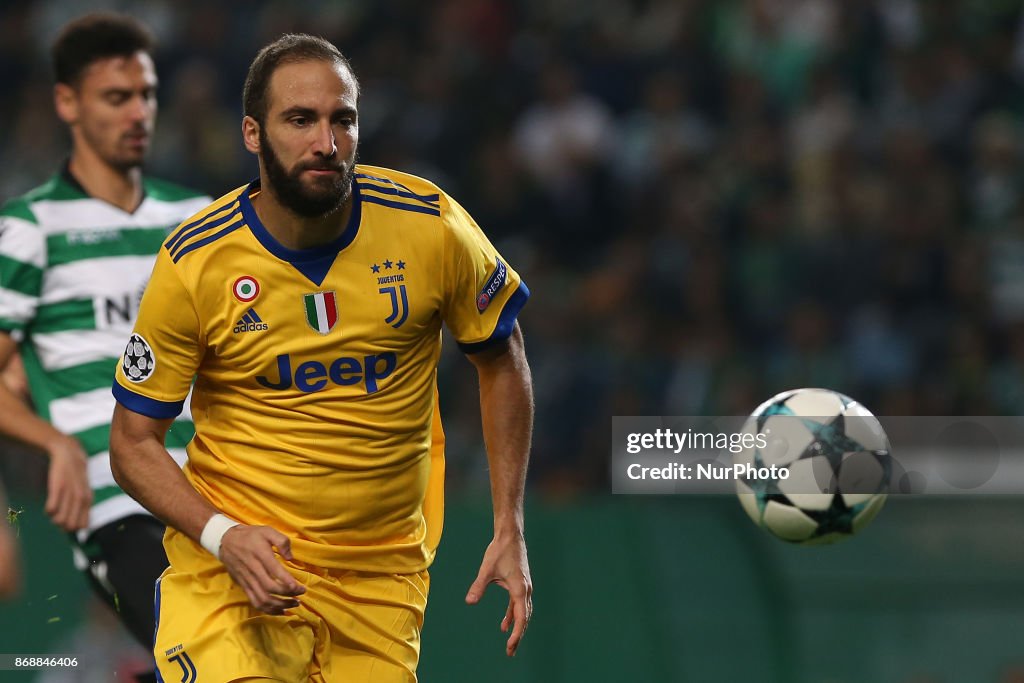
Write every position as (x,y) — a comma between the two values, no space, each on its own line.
(146,471)
(68,495)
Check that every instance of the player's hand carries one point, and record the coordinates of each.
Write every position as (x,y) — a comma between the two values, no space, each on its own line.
(68,495)
(248,554)
(505,563)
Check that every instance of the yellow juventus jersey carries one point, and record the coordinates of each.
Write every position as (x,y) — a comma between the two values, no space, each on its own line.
(315,400)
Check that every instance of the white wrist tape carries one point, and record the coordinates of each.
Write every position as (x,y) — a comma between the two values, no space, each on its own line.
(214,531)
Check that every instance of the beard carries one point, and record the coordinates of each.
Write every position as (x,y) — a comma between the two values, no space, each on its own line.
(119,154)
(324,196)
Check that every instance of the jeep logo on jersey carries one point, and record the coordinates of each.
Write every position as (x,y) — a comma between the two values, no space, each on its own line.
(321,311)
(138,362)
(312,375)
(246,289)
(493,286)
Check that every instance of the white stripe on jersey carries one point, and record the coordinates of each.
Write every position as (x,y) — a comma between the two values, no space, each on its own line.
(114,508)
(108,276)
(16,306)
(60,350)
(99,467)
(22,241)
(180,455)
(186,407)
(99,471)
(82,411)
(71,215)
(120,506)
(173,213)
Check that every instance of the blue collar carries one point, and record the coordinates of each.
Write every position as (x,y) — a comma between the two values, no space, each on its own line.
(315,261)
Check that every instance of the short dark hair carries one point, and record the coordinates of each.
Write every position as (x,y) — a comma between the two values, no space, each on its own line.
(93,37)
(288,49)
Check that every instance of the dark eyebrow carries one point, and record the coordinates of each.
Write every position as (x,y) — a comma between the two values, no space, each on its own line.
(298,111)
(127,91)
(311,114)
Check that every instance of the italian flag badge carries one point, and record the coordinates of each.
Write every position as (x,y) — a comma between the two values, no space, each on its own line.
(321,311)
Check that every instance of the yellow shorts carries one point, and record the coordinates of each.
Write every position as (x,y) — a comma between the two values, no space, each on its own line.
(351,626)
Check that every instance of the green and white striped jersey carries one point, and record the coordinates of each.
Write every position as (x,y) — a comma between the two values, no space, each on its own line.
(72,272)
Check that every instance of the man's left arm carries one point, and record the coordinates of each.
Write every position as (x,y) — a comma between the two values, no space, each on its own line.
(506,409)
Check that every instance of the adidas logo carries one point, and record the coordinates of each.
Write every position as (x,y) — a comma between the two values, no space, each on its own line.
(250,322)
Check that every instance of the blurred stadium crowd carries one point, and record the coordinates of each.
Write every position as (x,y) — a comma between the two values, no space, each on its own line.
(711,201)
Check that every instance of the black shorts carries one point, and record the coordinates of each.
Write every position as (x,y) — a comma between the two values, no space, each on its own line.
(125,559)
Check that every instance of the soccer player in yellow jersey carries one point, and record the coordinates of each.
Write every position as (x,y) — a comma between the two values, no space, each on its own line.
(307,306)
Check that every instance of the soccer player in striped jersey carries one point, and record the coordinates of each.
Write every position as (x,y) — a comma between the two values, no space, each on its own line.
(75,255)
(308,307)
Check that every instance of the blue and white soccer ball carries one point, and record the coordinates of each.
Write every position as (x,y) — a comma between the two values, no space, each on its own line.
(836,460)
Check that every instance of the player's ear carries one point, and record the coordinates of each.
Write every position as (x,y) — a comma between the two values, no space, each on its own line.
(65,102)
(251,134)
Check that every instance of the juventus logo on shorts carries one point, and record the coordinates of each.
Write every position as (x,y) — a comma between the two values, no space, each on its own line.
(188,669)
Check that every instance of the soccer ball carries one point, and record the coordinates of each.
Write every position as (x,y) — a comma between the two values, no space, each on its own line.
(832,466)
(138,361)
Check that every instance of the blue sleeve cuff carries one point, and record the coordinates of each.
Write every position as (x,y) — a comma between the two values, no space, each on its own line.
(150,407)
(506,321)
